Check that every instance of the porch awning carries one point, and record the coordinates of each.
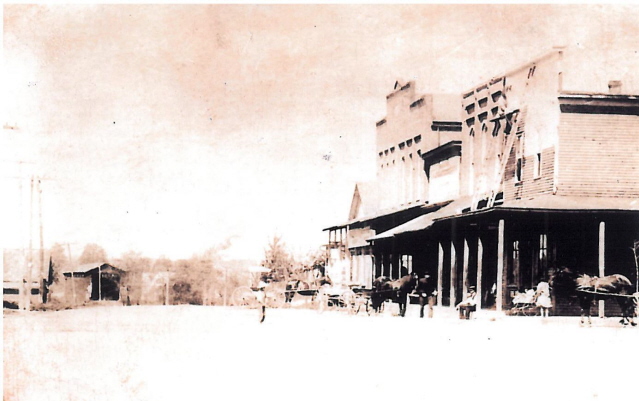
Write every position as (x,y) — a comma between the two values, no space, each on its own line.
(577,203)
(424,221)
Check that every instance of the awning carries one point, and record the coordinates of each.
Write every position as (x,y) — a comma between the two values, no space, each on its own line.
(577,203)
(424,221)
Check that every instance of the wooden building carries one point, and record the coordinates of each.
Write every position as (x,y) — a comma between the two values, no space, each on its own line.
(414,126)
(90,282)
(539,178)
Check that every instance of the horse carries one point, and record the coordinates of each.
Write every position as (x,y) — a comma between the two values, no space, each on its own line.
(397,291)
(591,288)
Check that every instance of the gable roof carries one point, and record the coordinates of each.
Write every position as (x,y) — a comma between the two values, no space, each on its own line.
(87,267)
(364,201)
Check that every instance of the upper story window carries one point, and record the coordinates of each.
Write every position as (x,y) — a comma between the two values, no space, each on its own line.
(520,159)
(518,170)
(470,109)
(537,166)
(470,122)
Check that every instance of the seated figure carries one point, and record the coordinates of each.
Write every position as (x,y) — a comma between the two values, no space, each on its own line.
(468,305)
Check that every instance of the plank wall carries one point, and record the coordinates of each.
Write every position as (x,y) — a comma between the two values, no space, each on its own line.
(598,155)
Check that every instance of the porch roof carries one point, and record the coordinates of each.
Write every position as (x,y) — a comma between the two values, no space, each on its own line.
(87,267)
(543,203)
(575,203)
(424,221)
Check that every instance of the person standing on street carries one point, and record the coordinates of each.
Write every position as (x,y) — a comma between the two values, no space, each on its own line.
(427,293)
(261,300)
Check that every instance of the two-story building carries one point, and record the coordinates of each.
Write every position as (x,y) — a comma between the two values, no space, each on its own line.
(415,124)
(539,178)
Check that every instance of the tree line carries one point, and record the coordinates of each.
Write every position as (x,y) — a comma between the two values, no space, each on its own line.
(206,278)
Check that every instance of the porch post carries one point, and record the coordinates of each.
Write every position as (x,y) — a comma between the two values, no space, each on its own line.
(480,256)
(500,266)
(453,274)
(440,272)
(465,267)
(602,261)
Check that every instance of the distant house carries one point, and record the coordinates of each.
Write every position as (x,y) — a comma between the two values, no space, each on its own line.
(92,282)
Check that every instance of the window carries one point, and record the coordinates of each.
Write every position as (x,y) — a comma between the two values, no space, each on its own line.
(543,253)
(518,170)
(537,165)
(511,278)
(520,159)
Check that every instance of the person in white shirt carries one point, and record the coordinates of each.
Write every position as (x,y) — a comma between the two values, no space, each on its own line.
(543,300)
(468,305)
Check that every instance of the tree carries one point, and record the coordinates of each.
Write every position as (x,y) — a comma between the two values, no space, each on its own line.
(59,255)
(132,261)
(278,259)
(92,253)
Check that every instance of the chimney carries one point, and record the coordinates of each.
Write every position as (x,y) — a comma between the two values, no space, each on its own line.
(614,87)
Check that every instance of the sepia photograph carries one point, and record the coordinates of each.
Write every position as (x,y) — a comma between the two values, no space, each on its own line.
(320,202)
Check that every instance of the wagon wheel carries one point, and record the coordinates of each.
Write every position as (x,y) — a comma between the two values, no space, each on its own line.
(347,299)
(275,298)
(244,296)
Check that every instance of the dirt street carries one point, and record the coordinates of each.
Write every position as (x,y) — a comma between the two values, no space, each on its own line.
(201,353)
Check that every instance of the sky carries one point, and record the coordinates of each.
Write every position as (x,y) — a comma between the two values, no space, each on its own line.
(168,129)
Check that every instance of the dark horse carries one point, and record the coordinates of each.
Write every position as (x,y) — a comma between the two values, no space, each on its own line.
(588,289)
(397,291)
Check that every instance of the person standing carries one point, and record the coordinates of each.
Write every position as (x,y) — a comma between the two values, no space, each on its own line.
(542,296)
(426,292)
(261,300)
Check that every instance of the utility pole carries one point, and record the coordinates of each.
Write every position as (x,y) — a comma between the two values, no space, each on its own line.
(72,270)
(27,280)
(226,275)
(43,273)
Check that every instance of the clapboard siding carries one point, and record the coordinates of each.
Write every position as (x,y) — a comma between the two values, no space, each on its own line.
(529,185)
(598,155)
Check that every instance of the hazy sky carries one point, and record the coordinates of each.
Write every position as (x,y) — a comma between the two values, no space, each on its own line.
(168,129)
